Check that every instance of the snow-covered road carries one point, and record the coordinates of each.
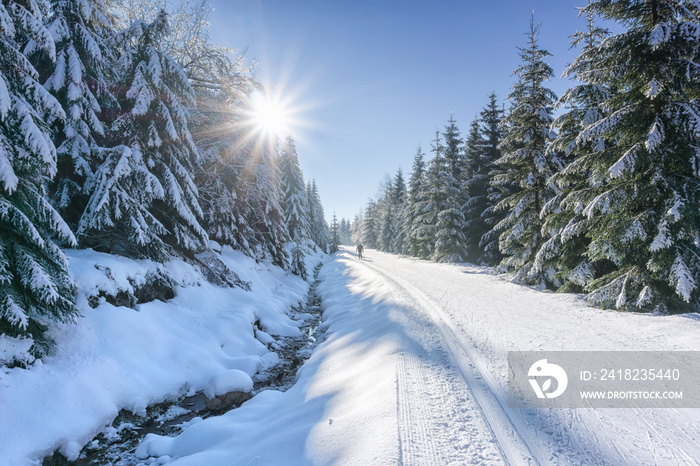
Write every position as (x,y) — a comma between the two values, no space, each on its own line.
(414,371)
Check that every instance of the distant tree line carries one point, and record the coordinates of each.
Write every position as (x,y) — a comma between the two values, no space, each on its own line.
(602,199)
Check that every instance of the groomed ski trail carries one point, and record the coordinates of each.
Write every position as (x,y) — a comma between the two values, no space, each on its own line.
(439,422)
(512,446)
(480,317)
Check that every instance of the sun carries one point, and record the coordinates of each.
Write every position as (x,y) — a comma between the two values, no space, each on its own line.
(269,115)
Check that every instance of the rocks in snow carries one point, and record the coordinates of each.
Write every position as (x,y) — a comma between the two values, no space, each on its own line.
(228,388)
(215,271)
(223,402)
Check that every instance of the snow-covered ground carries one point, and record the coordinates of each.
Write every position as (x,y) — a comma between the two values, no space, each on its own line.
(118,358)
(414,371)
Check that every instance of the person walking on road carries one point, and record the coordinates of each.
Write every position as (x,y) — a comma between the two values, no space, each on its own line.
(360,249)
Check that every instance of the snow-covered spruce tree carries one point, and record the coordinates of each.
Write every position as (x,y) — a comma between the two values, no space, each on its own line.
(501,186)
(153,123)
(370,226)
(450,240)
(298,264)
(356,229)
(265,214)
(399,192)
(311,210)
(295,204)
(416,245)
(117,186)
(117,217)
(217,138)
(222,85)
(317,218)
(335,234)
(472,180)
(563,219)
(79,79)
(34,280)
(493,216)
(387,218)
(525,155)
(482,151)
(345,232)
(473,148)
(643,208)
(264,198)
(243,185)
(432,203)
(453,149)
(398,199)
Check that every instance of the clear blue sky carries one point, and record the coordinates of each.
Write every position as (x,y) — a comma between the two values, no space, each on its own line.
(373,79)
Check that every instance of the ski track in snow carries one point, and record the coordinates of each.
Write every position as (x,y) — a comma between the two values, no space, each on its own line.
(512,447)
(476,342)
(439,422)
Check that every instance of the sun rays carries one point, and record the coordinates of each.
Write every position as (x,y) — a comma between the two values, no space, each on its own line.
(269,115)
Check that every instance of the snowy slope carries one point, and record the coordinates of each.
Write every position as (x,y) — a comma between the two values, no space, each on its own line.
(121,358)
(413,371)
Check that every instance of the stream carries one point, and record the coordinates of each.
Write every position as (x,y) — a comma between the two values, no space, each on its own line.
(116,444)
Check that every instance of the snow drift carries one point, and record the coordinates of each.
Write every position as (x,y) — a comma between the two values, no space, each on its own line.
(116,357)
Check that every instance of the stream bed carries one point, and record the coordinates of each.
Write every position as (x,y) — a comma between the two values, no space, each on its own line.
(116,444)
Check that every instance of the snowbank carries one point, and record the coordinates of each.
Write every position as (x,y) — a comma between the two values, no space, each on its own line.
(341,410)
(118,358)
(228,381)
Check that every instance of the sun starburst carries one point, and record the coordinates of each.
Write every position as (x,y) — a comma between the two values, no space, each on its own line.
(269,115)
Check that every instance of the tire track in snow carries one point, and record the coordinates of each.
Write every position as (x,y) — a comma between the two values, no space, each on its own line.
(513,447)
